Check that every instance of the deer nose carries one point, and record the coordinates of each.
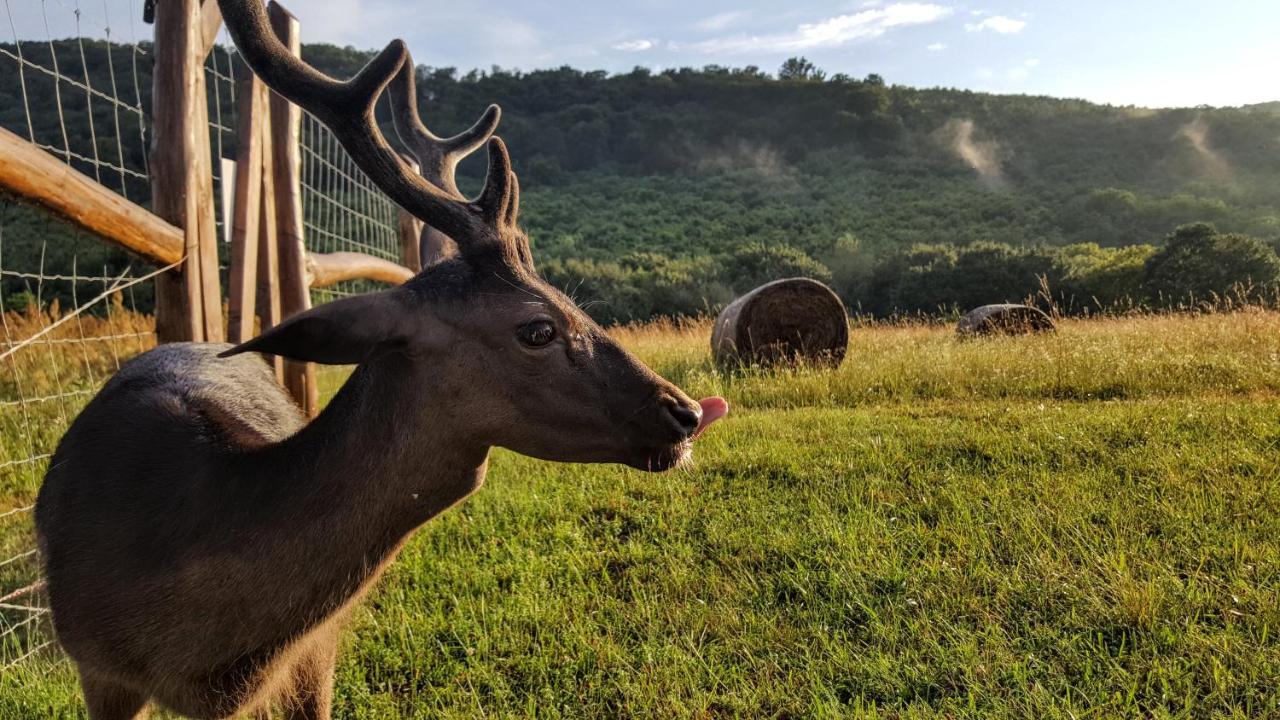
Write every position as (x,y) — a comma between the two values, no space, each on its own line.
(685,417)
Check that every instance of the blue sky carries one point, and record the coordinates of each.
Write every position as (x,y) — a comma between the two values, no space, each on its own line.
(1138,52)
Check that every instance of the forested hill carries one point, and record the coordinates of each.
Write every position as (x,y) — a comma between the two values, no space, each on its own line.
(667,192)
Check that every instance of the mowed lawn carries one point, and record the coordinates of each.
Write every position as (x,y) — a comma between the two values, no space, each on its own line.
(1078,526)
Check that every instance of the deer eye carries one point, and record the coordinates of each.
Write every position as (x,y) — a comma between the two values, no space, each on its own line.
(536,334)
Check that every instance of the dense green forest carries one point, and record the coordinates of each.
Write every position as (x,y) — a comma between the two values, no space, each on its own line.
(667,193)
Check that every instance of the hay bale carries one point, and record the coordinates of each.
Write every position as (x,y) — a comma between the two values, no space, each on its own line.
(784,321)
(1005,319)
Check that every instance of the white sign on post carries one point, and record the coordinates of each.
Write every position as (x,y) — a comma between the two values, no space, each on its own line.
(227,171)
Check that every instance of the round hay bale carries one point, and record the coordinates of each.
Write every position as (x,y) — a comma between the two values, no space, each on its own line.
(1005,319)
(785,321)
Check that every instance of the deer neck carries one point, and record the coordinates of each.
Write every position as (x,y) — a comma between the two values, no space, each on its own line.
(400,452)
(375,465)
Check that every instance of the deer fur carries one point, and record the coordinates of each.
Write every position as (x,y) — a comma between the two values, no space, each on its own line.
(204,544)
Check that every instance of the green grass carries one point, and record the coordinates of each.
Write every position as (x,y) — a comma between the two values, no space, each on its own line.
(1084,525)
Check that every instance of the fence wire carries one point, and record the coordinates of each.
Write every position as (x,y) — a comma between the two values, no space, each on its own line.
(342,212)
(81,98)
(75,80)
(342,209)
(69,315)
(221,69)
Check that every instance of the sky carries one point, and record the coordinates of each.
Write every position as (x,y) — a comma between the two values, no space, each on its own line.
(1124,52)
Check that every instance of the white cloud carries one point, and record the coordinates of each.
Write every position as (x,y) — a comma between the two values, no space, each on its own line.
(831,32)
(936,47)
(634,46)
(1032,62)
(998,23)
(720,21)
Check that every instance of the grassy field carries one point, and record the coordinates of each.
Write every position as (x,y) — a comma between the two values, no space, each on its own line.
(1077,526)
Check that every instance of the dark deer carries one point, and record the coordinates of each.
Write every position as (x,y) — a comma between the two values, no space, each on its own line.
(204,544)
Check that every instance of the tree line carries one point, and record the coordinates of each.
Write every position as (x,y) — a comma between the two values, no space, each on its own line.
(1196,265)
(666,193)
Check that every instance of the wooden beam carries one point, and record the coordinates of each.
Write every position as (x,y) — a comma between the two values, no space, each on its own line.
(210,24)
(435,246)
(210,282)
(325,269)
(286,148)
(250,128)
(409,228)
(180,139)
(34,176)
(268,298)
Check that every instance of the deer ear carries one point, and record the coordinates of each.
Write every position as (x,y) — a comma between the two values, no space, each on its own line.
(342,332)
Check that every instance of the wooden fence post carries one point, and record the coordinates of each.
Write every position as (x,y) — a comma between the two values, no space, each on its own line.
(268,298)
(295,294)
(409,228)
(250,129)
(189,301)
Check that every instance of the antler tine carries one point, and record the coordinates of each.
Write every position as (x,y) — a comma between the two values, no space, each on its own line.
(437,157)
(495,201)
(471,139)
(513,215)
(347,109)
(513,209)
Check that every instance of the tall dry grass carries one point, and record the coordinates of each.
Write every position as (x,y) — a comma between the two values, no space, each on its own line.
(53,363)
(1235,349)
(1108,358)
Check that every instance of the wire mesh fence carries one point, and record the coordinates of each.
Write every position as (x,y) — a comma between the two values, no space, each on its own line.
(342,212)
(53,357)
(221,69)
(75,80)
(70,305)
(342,209)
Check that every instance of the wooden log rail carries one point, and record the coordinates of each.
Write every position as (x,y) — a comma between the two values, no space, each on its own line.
(36,177)
(324,270)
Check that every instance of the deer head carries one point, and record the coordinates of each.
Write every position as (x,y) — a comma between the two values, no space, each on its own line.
(520,365)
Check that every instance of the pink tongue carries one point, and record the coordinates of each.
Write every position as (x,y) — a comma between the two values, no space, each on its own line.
(713,408)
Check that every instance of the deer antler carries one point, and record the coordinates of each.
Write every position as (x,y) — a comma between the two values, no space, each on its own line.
(347,108)
(437,157)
